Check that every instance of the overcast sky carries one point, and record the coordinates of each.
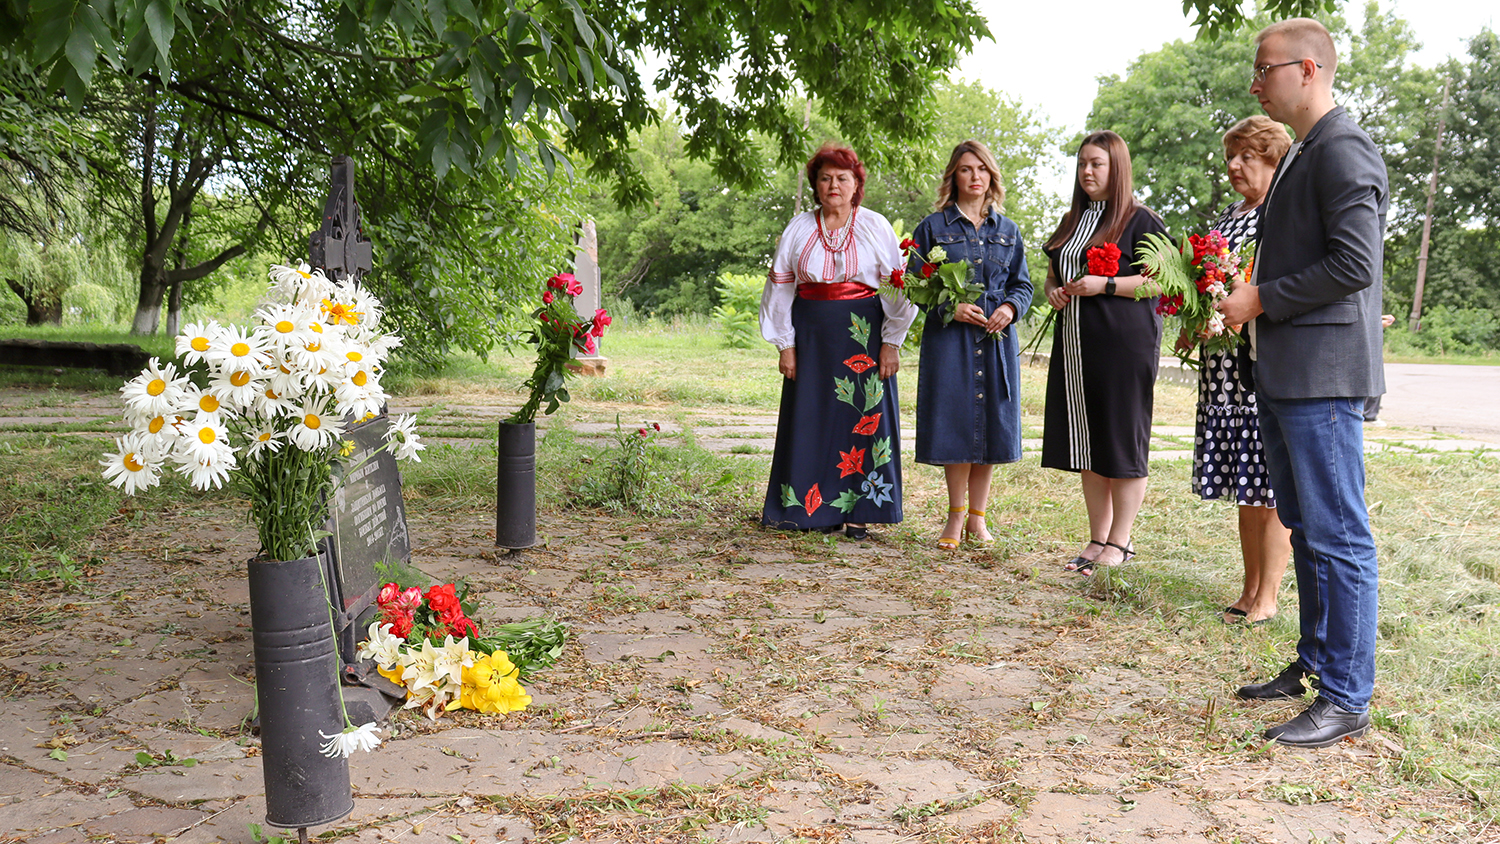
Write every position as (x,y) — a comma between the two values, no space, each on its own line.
(1039,56)
(1038,53)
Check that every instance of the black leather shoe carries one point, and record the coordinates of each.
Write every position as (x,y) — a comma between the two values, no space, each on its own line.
(1287,684)
(1320,725)
(857,531)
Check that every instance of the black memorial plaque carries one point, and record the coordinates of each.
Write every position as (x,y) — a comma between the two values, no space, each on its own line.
(367,517)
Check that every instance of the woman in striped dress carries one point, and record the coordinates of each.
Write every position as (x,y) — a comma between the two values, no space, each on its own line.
(1105,351)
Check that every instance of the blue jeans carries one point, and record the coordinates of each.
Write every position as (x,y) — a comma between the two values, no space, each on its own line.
(1315,453)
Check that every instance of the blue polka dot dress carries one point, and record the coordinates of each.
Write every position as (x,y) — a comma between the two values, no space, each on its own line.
(1228,462)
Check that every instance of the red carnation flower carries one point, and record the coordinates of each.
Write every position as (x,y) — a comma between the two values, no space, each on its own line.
(928,270)
(898,279)
(1104,260)
(908,244)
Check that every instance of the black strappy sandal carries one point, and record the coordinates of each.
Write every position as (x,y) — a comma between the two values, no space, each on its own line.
(1080,562)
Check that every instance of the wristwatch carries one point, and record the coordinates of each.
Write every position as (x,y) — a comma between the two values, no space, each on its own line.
(1109,286)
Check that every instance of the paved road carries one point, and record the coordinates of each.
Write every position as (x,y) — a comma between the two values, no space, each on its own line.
(1462,400)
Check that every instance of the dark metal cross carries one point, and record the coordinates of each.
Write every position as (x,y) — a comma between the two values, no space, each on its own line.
(340,248)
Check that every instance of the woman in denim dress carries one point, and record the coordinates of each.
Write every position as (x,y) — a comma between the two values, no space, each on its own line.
(968,382)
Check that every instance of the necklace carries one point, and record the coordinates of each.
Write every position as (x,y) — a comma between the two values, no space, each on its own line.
(837,240)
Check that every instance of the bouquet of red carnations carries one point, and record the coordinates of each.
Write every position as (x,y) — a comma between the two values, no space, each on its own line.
(1192,277)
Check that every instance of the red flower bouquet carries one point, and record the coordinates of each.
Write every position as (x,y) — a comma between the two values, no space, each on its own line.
(939,281)
(1192,277)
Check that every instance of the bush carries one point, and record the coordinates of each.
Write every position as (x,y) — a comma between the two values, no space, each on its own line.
(739,308)
(1449,331)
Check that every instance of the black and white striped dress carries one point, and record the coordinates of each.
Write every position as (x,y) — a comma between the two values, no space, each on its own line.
(1105,353)
(1228,462)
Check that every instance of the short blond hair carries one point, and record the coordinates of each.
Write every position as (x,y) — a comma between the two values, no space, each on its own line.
(1305,38)
(1265,137)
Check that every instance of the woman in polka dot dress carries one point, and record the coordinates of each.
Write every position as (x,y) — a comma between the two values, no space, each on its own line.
(1227,459)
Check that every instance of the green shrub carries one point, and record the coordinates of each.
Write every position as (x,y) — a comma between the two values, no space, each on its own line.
(1449,331)
(738,313)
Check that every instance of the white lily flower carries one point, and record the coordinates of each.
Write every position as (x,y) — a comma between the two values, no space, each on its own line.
(381,646)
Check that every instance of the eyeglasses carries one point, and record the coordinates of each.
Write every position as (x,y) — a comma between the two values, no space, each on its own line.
(1260,72)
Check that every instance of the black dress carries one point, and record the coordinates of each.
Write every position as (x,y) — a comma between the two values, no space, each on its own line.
(1105,353)
(1228,462)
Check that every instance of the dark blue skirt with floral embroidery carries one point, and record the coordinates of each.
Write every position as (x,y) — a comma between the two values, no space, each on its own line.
(838,439)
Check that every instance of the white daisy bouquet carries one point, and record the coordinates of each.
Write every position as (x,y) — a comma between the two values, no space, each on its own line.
(266,405)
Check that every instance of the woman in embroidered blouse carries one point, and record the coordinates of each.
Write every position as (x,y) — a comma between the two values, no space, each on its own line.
(969,385)
(838,437)
(1227,457)
(1105,351)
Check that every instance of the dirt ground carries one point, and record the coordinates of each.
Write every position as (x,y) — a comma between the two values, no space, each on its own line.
(724,683)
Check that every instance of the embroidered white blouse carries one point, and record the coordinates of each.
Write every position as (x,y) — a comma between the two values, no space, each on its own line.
(803,258)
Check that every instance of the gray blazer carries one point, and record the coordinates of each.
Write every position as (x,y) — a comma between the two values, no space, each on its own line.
(1320,266)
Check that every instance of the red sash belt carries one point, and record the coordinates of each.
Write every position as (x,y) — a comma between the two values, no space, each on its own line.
(835,290)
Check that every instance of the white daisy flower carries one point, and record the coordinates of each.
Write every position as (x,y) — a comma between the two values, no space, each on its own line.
(403,438)
(285,326)
(271,403)
(162,426)
(235,388)
(135,464)
(202,437)
(200,401)
(367,303)
(351,739)
(157,391)
(381,346)
(314,290)
(358,402)
(265,438)
(208,470)
(315,428)
(195,340)
(237,348)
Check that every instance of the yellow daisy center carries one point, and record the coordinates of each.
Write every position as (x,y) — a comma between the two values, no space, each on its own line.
(313,347)
(133,464)
(208,404)
(239,350)
(360,378)
(156,387)
(303,274)
(207,436)
(271,394)
(355,356)
(240,379)
(312,421)
(265,436)
(285,327)
(157,424)
(200,344)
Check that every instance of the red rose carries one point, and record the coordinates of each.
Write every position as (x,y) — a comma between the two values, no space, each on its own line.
(461,628)
(589,346)
(547,297)
(443,599)
(575,287)
(898,279)
(644,433)
(868,425)
(602,319)
(928,270)
(388,594)
(560,281)
(908,244)
(656,426)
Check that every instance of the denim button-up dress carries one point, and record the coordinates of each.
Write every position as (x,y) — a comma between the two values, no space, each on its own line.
(968,384)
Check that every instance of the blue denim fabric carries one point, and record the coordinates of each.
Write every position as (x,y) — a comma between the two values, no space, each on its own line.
(968,385)
(1315,453)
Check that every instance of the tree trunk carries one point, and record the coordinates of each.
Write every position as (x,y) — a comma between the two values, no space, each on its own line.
(41,308)
(153,290)
(174,309)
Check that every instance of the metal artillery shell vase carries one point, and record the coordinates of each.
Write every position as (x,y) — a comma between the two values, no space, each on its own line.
(297,693)
(515,486)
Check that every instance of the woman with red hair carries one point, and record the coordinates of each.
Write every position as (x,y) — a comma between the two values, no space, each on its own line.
(838,438)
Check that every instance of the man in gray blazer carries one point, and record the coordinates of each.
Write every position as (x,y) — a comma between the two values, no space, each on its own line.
(1316,338)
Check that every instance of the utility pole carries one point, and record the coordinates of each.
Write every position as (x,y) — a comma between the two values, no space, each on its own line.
(1415,321)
